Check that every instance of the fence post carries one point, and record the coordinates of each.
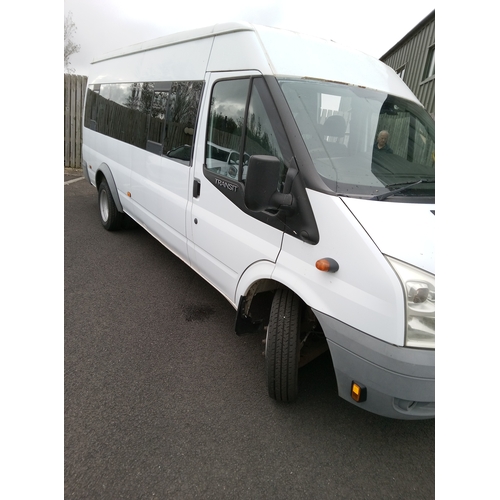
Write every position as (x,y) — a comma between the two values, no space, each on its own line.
(74,96)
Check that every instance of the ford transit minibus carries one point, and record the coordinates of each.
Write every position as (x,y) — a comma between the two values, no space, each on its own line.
(297,177)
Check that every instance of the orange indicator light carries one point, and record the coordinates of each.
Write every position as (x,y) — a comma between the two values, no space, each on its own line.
(327,265)
(358,392)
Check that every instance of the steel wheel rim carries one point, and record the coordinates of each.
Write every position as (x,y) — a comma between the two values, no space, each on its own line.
(104,206)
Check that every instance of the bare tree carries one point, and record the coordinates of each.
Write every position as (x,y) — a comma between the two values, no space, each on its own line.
(70,47)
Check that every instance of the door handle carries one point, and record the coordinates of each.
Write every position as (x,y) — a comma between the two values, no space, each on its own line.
(196,188)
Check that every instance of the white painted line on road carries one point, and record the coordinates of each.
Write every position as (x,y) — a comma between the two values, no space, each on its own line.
(74,180)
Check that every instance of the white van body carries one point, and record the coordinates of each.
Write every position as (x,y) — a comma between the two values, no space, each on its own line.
(256,194)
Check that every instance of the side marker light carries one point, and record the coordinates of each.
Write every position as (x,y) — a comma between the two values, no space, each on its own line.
(358,392)
(327,265)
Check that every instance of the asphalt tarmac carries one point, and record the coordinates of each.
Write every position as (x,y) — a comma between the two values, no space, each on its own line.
(164,401)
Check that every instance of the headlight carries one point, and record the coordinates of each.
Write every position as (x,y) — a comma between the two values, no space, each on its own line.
(420,297)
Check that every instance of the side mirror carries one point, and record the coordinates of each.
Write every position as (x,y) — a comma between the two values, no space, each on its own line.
(261,185)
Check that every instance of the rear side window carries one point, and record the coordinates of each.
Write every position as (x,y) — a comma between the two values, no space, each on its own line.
(159,117)
(180,120)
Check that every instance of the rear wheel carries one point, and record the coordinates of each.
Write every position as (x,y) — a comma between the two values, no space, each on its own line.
(283,346)
(111,218)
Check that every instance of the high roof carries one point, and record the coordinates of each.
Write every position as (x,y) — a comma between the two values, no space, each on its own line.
(270,51)
(176,38)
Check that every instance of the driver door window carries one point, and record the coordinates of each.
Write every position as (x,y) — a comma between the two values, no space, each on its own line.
(242,123)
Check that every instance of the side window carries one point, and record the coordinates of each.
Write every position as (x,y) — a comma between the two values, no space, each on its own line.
(262,129)
(91,105)
(401,72)
(225,127)
(181,114)
(157,125)
(123,111)
(237,130)
(159,117)
(135,117)
(430,64)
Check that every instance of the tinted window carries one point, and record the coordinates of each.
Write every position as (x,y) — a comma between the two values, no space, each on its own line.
(263,128)
(232,120)
(182,111)
(156,132)
(123,112)
(225,127)
(159,117)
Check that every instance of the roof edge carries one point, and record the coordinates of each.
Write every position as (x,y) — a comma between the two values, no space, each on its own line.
(176,38)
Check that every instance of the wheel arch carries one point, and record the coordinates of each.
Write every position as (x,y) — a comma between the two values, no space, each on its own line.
(104,172)
(254,295)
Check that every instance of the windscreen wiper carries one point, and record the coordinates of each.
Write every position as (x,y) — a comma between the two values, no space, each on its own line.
(409,185)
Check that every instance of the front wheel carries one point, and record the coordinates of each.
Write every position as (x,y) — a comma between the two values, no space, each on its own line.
(111,218)
(283,346)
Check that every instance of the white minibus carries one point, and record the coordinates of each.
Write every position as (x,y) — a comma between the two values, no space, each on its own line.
(296,176)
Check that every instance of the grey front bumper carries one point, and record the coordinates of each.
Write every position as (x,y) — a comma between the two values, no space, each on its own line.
(399,381)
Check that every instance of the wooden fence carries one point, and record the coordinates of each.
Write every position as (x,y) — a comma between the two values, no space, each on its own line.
(74,95)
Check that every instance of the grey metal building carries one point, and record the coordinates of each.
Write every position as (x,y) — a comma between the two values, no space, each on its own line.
(413,58)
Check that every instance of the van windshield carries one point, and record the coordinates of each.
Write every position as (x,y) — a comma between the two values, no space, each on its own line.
(365,143)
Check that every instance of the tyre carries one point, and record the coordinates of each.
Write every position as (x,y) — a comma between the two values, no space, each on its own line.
(283,346)
(111,218)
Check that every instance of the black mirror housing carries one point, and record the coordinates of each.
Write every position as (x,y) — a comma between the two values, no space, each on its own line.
(261,185)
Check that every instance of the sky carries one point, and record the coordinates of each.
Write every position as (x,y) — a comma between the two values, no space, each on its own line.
(370,26)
